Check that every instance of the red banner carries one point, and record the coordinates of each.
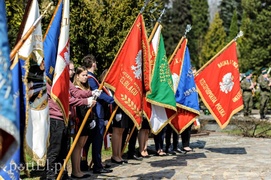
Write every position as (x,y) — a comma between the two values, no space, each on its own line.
(219,86)
(125,76)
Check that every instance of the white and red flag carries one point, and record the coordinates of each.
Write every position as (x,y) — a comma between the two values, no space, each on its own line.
(60,86)
(219,86)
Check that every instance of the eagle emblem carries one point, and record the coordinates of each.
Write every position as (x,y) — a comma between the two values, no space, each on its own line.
(137,69)
(227,83)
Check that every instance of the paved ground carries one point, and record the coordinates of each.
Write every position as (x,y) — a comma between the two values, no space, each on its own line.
(217,156)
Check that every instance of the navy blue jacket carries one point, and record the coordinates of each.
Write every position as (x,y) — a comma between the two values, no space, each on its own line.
(102,99)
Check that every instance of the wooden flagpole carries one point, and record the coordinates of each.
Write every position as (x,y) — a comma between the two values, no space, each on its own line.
(76,139)
(128,139)
(223,49)
(188,28)
(27,34)
(52,19)
(27,8)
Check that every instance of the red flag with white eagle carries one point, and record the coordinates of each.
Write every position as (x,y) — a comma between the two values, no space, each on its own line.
(125,75)
(60,86)
(219,86)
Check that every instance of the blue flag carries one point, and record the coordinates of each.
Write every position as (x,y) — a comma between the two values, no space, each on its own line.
(186,94)
(9,124)
(51,43)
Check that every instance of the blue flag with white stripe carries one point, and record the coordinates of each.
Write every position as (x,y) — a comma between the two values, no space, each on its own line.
(50,43)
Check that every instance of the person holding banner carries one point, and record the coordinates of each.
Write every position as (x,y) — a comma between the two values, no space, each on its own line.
(80,82)
(264,83)
(90,62)
(59,140)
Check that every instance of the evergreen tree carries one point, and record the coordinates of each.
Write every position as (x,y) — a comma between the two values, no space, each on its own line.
(15,12)
(200,24)
(244,44)
(255,48)
(175,20)
(214,40)
(227,8)
(100,27)
(233,31)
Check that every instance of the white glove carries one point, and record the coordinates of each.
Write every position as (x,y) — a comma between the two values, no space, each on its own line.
(105,122)
(118,117)
(97,92)
(92,124)
(91,101)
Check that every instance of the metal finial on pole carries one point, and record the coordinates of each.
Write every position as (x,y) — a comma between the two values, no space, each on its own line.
(240,34)
(160,17)
(187,29)
(143,8)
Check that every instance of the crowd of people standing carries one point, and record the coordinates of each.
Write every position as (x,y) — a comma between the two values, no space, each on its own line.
(84,94)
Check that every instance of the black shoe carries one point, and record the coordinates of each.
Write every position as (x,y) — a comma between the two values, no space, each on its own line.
(103,170)
(116,162)
(107,166)
(135,157)
(81,177)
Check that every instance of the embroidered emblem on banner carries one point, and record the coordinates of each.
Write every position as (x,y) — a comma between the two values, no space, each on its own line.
(227,83)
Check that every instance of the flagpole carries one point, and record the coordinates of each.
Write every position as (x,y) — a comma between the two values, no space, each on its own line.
(156,26)
(176,49)
(52,19)
(74,142)
(188,28)
(28,33)
(211,60)
(128,139)
(27,9)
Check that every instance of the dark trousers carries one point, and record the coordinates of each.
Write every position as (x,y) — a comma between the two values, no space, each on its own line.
(58,147)
(97,144)
(159,139)
(132,140)
(170,131)
(185,135)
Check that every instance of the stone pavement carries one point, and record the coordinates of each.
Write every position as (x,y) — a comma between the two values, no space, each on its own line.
(217,156)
